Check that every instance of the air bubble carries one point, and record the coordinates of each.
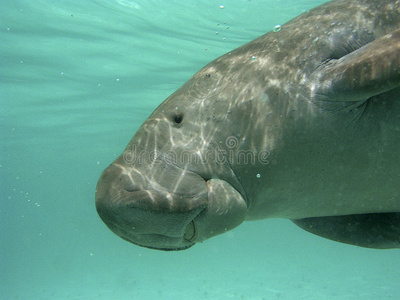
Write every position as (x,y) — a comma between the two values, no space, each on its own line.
(277,28)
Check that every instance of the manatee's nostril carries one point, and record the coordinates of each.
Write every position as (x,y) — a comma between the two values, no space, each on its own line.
(132,188)
(126,183)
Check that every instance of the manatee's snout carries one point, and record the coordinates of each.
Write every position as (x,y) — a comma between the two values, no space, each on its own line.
(162,206)
(155,211)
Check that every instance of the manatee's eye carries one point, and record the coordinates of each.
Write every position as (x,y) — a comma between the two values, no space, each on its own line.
(177,118)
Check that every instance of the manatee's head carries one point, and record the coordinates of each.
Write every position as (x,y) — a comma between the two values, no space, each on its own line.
(172,187)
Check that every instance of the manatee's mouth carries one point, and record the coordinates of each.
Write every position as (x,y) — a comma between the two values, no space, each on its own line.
(190,241)
(167,249)
(167,242)
(176,248)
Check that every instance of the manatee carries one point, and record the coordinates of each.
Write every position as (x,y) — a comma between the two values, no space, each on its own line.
(302,123)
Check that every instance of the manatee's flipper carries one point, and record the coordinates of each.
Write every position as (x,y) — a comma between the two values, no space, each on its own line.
(368,71)
(379,231)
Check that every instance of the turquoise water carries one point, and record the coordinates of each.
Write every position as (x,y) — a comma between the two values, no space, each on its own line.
(77,79)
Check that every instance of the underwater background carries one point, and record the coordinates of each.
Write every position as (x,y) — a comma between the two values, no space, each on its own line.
(77,79)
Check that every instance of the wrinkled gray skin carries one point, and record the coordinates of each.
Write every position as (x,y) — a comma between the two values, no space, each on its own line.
(302,124)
